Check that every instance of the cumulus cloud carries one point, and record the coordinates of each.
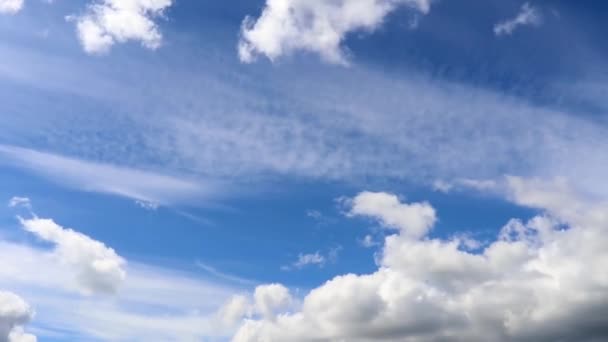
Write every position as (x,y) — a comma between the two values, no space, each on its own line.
(14,313)
(10,6)
(317,26)
(528,16)
(107,22)
(98,268)
(542,279)
(412,220)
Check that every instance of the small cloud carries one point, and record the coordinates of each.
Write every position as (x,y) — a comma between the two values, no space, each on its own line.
(313,259)
(315,214)
(148,205)
(108,22)
(369,242)
(528,16)
(20,202)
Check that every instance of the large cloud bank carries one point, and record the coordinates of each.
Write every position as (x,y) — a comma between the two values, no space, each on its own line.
(543,279)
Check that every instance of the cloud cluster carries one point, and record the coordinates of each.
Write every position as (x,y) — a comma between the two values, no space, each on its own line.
(541,280)
(98,268)
(107,22)
(10,6)
(14,313)
(528,16)
(317,26)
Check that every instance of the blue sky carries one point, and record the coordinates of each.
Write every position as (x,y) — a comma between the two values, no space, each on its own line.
(228,170)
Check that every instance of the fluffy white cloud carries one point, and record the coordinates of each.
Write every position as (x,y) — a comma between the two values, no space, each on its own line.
(318,26)
(540,280)
(108,22)
(14,313)
(412,220)
(10,6)
(98,268)
(528,15)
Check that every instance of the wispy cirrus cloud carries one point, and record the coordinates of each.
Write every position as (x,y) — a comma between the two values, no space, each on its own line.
(143,186)
(528,16)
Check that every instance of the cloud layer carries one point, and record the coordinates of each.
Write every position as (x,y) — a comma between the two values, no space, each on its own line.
(10,6)
(541,280)
(107,22)
(317,26)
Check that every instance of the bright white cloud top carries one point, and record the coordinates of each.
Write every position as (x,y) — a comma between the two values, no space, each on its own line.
(14,314)
(541,280)
(97,268)
(10,6)
(317,26)
(107,22)
(528,16)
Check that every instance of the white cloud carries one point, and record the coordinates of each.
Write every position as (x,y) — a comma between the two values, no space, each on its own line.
(540,280)
(309,259)
(98,269)
(368,241)
(412,220)
(154,303)
(271,299)
(17,201)
(318,26)
(528,16)
(107,22)
(14,314)
(145,187)
(11,6)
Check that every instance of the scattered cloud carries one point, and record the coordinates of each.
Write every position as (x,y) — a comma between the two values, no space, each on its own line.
(483,185)
(317,26)
(98,268)
(528,16)
(19,202)
(142,186)
(14,314)
(310,259)
(369,242)
(413,220)
(153,303)
(107,22)
(10,6)
(548,270)
(314,259)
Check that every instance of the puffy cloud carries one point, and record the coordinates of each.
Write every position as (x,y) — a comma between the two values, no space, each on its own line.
(107,22)
(528,15)
(98,268)
(318,26)
(14,313)
(413,220)
(11,6)
(541,280)
(270,299)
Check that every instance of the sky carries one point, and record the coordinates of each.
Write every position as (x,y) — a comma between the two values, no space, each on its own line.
(303,170)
